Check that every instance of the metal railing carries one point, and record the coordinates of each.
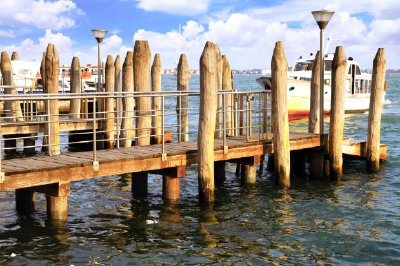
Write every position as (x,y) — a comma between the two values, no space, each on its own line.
(30,120)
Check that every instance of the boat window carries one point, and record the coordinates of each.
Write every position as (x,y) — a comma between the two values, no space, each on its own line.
(328,65)
(358,70)
(301,66)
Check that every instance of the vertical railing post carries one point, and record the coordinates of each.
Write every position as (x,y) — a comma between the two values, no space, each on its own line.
(95,162)
(224,122)
(164,154)
(2,177)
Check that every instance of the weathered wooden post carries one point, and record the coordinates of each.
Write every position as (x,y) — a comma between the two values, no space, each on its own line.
(208,111)
(14,56)
(142,85)
(375,111)
(43,71)
(316,157)
(336,127)
(225,115)
(280,121)
(118,88)
(219,125)
(51,84)
(109,125)
(12,108)
(182,104)
(141,71)
(157,101)
(227,85)
(127,131)
(313,116)
(75,83)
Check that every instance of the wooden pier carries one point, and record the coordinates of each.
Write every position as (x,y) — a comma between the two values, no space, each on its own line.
(123,130)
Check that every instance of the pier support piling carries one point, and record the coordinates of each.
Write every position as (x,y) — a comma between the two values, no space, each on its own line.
(336,128)
(139,185)
(248,171)
(171,183)
(24,201)
(219,172)
(57,200)
(375,111)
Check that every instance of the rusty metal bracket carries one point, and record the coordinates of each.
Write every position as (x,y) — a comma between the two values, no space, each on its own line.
(96,166)
(226,150)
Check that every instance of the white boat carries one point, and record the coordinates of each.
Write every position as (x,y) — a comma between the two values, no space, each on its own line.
(357,94)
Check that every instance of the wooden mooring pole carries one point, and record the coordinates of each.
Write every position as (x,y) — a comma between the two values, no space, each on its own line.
(109,125)
(375,111)
(52,131)
(141,69)
(208,111)
(157,101)
(227,85)
(75,83)
(14,56)
(128,102)
(118,100)
(182,104)
(280,122)
(313,116)
(339,72)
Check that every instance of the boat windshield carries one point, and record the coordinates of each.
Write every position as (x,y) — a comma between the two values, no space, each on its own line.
(308,65)
(305,65)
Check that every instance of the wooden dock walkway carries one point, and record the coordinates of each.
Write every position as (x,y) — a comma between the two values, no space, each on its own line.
(76,166)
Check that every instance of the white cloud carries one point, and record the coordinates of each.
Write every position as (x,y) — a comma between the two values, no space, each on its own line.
(39,13)
(177,7)
(7,34)
(62,42)
(248,38)
(31,50)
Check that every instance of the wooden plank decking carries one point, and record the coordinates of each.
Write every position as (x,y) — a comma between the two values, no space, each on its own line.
(76,166)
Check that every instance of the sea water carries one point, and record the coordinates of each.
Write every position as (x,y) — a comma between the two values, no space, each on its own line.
(353,221)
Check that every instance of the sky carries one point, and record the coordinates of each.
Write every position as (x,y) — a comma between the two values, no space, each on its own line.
(246,30)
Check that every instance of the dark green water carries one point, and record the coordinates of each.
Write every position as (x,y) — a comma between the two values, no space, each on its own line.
(354,221)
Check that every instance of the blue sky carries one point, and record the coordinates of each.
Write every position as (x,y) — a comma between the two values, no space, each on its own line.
(246,30)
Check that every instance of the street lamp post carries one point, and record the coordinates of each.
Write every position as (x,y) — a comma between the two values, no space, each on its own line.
(322,17)
(99,35)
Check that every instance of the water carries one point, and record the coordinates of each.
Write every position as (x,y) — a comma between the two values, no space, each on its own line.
(354,221)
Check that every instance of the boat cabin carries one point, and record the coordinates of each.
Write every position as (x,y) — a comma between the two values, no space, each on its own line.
(358,82)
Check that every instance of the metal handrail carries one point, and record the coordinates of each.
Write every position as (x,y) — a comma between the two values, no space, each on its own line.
(251,113)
